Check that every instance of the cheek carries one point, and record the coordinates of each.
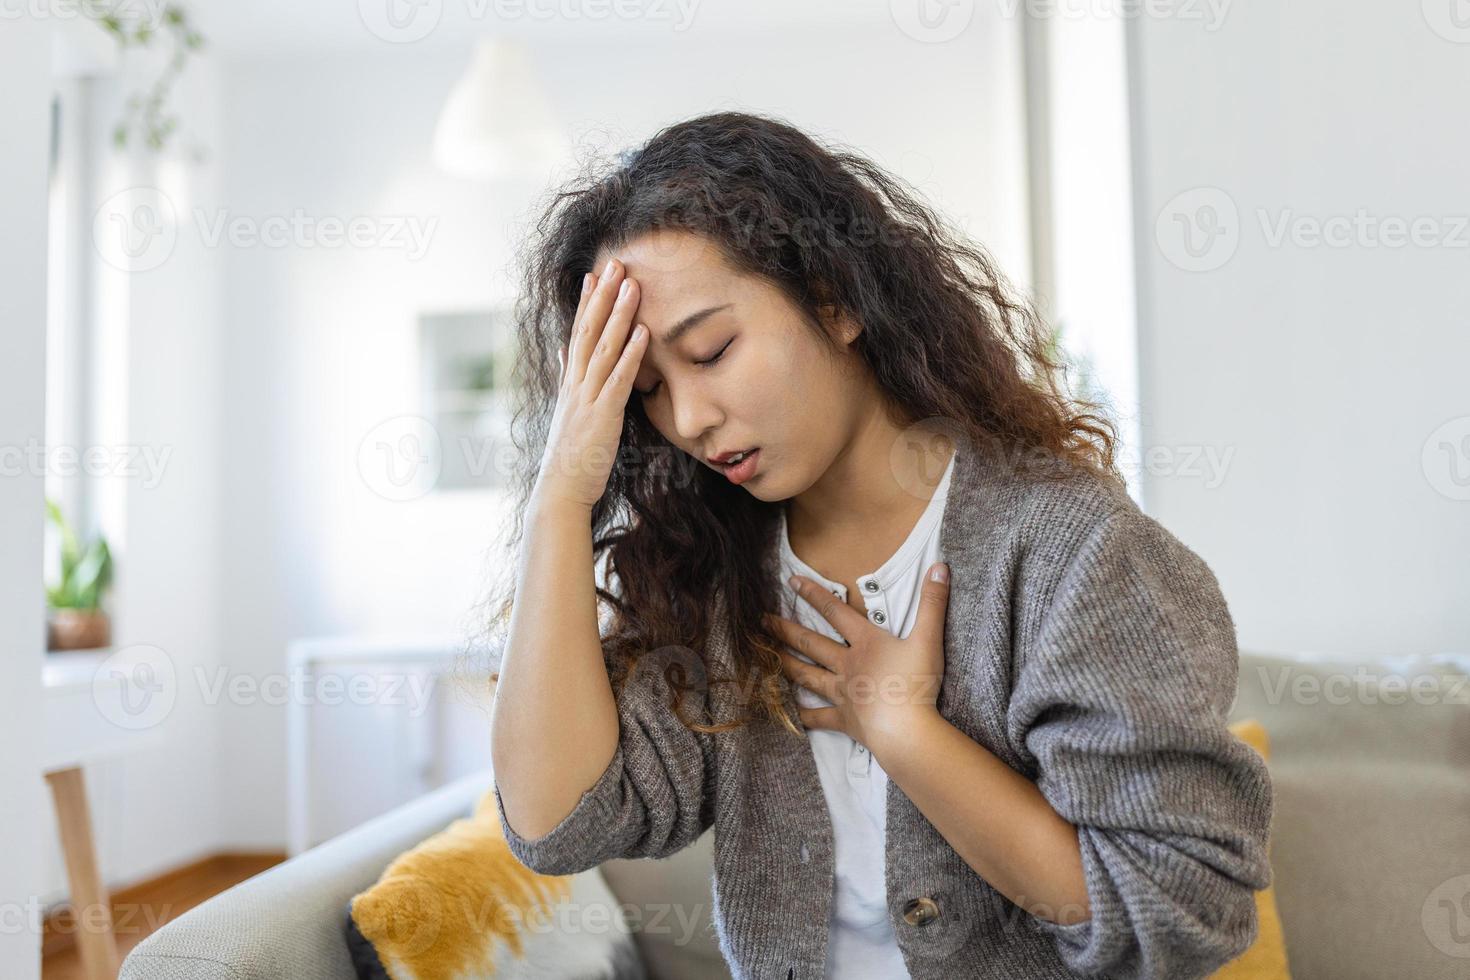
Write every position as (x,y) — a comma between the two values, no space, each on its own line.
(772,373)
(763,396)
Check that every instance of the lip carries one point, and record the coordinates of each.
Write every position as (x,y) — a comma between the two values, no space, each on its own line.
(718,459)
(738,473)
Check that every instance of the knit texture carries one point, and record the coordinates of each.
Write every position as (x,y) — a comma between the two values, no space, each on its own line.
(1088,649)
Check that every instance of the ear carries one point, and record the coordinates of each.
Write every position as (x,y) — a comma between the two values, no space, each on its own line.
(844,328)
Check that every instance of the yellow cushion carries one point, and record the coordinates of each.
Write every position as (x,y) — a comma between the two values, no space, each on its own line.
(1266,957)
(459,906)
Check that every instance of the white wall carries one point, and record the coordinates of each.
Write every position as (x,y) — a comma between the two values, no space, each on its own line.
(1324,370)
(319,342)
(155,324)
(1091,233)
(25,121)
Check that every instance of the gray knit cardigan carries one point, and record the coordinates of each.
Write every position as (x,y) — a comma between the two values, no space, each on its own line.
(1085,646)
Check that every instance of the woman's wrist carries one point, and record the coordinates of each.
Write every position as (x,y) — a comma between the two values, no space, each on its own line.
(545,503)
(900,734)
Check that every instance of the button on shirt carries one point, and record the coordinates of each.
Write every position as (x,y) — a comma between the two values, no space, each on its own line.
(861,941)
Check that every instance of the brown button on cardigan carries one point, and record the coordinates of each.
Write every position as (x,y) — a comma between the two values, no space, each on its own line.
(1085,646)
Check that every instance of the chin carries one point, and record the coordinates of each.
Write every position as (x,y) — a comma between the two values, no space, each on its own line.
(762,488)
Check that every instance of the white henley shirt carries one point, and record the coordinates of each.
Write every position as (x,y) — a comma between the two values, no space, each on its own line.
(861,944)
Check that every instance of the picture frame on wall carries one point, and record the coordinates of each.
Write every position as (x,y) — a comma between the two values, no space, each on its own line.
(467,358)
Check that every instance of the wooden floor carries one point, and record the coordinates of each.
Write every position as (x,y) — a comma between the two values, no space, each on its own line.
(141,909)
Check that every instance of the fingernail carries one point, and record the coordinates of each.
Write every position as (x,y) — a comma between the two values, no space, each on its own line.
(940,573)
(586,282)
(609,269)
(792,581)
(623,289)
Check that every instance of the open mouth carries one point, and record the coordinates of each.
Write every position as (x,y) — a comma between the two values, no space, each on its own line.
(741,466)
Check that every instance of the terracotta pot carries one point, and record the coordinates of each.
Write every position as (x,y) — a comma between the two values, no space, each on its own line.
(78,629)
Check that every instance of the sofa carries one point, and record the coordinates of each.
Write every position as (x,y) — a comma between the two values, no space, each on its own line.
(1370,850)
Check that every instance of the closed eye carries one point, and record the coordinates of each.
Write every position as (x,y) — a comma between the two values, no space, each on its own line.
(704,363)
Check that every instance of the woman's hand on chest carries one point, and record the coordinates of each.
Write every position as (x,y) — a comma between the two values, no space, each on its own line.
(880,686)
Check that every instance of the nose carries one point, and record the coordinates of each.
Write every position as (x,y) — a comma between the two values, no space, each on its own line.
(694,414)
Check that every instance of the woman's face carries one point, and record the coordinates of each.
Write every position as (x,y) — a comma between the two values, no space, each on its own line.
(748,373)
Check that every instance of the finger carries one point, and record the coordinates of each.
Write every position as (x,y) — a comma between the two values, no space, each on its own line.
(846,620)
(594,317)
(589,284)
(811,677)
(619,385)
(933,601)
(809,642)
(822,718)
(608,350)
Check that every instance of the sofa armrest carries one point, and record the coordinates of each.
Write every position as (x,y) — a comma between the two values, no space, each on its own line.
(286,922)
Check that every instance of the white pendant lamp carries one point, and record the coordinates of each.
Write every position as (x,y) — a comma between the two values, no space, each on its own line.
(498,122)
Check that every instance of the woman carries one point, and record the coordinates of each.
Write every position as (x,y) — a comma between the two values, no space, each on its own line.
(747,356)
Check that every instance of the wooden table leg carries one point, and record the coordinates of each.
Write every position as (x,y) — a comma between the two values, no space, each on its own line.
(91,904)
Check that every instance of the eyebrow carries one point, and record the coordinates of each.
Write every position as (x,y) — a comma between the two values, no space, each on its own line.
(691,321)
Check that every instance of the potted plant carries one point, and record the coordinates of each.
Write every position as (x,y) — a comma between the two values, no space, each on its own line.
(1085,386)
(76,620)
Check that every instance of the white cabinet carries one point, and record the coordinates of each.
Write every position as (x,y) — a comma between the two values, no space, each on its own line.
(374,722)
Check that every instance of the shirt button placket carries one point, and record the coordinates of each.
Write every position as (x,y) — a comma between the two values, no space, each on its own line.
(876,602)
(861,761)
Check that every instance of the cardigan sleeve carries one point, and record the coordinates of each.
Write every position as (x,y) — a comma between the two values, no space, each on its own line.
(656,795)
(1121,703)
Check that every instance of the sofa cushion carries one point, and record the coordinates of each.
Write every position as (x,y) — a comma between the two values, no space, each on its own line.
(670,905)
(1370,842)
(459,906)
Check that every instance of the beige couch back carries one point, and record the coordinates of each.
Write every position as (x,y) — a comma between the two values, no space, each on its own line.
(1370,848)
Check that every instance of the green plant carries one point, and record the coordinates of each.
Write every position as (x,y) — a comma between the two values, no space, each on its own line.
(85,575)
(479,372)
(147,109)
(1085,387)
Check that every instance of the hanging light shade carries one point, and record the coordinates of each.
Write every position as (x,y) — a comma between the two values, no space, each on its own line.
(498,122)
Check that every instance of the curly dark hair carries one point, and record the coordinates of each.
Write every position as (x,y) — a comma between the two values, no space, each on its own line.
(943,332)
